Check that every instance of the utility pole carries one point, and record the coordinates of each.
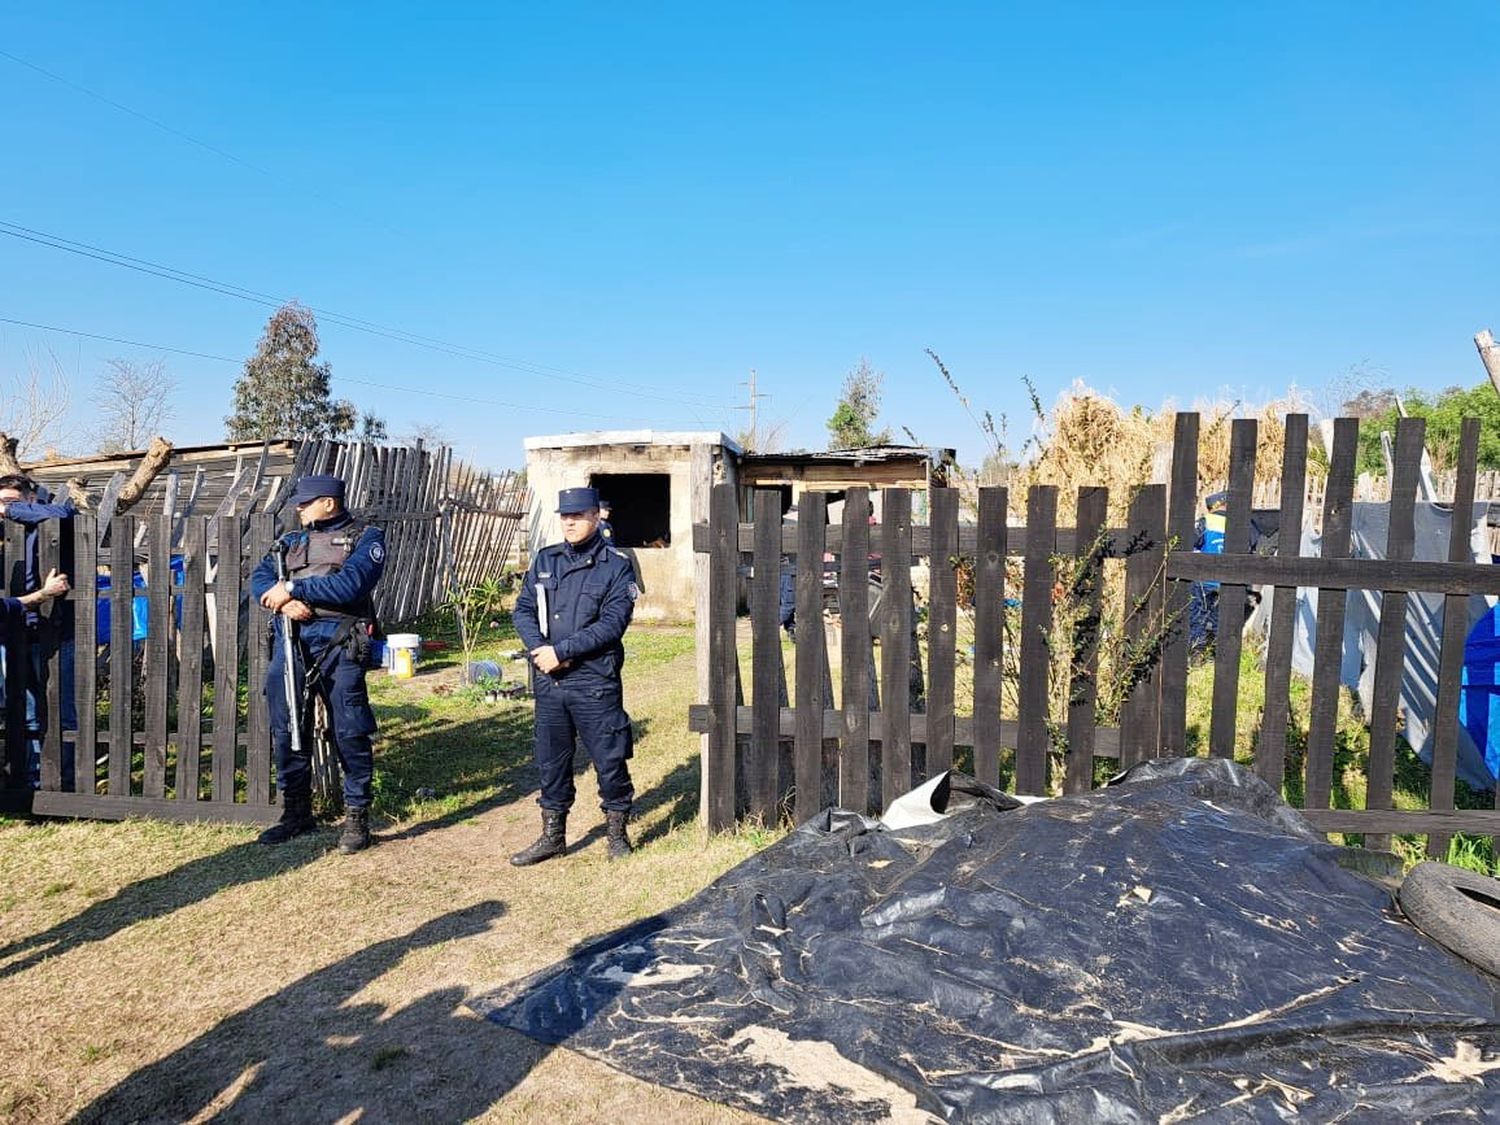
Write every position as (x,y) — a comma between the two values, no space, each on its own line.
(753,434)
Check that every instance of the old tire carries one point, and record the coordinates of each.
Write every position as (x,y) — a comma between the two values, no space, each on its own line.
(1458,909)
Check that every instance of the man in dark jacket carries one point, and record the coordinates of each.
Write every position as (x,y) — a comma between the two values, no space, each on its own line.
(573,610)
(333,563)
(30,505)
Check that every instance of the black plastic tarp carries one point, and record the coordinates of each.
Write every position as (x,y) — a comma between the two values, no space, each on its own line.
(1177,946)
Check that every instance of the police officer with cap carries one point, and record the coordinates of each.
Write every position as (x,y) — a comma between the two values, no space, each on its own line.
(573,610)
(333,562)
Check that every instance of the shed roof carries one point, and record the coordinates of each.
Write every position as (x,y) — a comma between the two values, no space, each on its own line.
(584,438)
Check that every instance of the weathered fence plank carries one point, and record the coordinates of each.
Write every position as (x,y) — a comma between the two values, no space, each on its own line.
(942,630)
(1083,687)
(766,669)
(1455,632)
(723,594)
(1270,752)
(85,598)
(811,656)
(157,652)
(1390,656)
(1226,692)
(1036,628)
(1140,724)
(895,644)
(856,653)
(1329,645)
(226,657)
(1182,509)
(989,632)
(121,664)
(189,778)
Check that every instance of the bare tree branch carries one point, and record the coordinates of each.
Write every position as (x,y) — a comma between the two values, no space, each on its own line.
(133,400)
(34,404)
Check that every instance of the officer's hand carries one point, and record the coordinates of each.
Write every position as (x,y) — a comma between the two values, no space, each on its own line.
(56,584)
(276,597)
(545,659)
(297,611)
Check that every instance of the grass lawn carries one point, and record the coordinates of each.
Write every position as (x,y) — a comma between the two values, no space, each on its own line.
(169,972)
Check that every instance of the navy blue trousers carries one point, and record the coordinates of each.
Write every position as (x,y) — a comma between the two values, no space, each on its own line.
(342,687)
(586,706)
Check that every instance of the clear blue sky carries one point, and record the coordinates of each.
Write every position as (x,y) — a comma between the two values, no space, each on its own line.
(649,200)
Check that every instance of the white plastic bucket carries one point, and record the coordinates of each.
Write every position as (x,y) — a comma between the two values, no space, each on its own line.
(404,649)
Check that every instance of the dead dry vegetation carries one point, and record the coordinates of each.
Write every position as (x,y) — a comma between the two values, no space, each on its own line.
(179,973)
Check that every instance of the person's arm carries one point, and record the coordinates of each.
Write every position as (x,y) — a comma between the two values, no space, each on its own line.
(615,612)
(355,580)
(34,511)
(524,615)
(263,577)
(54,586)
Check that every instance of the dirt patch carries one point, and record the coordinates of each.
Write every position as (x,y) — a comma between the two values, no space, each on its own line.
(173,973)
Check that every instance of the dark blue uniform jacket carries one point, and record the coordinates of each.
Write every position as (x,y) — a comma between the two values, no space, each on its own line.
(590,599)
(31,514)
(342,593)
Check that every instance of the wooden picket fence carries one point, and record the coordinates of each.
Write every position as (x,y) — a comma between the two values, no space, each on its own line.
(793,752)
(162,726)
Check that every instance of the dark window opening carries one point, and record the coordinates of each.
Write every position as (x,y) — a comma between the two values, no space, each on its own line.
(640,507)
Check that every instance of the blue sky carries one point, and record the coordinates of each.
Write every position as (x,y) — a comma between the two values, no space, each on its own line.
(628,207)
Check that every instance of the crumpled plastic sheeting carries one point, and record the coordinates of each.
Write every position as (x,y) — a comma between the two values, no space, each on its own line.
(1177,946)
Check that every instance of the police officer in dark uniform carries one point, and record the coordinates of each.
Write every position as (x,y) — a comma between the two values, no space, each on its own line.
(333,563)
(573,610)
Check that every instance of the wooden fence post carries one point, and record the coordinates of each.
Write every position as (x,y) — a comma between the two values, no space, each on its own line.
(1032,739)
(989,631)
(1270,747)
(942,628)
(762,772)
(895,644)
(1140,722)
(724,519)
(1181,513)
(854,612)
(812,656)
(1390,656)
(1083,690)
(1329,645)
(1232,595)
(1455,633)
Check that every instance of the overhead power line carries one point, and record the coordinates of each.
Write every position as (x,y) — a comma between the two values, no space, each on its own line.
(228,289)
(426,392)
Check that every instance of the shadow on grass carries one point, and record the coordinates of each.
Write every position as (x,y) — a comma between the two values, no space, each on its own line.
(311,1053)
(490,755)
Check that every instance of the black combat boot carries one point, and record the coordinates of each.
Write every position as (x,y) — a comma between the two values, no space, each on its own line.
(296,819)
(619,843)
(553,840)
(356,834)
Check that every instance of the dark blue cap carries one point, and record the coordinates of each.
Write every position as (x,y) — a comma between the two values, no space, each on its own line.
(577,500)
(312,487)
(1216,500)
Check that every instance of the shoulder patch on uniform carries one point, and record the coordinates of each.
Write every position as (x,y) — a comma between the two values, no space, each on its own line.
(619,554)
(635,592)
(377,552)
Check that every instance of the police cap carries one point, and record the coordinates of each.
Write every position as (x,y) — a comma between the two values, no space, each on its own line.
(571,500)
(312,487)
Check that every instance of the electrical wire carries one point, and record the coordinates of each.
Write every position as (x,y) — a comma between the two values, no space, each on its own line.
(423,391)
(459,351)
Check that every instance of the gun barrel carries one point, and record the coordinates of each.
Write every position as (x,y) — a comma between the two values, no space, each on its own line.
(288,655)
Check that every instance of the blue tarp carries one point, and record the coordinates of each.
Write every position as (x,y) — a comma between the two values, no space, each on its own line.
(139,615)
